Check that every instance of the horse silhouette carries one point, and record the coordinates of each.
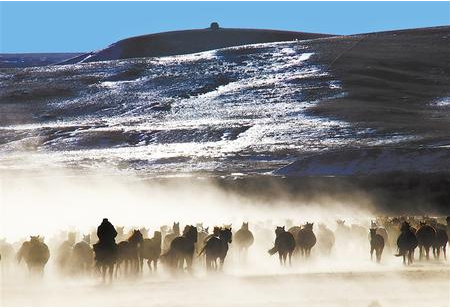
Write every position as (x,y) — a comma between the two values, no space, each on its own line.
(105,250)
(440,242)
(6,254)
(426,235)
(382,232)
(294,230)
(376,244)
(406,243)
(83,255)
(325,239)
(201,237)
(105,258)
(306,239)
(151,250)
(64,254)
(284,245)
(35,253)
(144,232)
(358,232)
(217,248)
(182,249)
(169,237)
(128,254)
(120,233)
(243,239)
(343,234)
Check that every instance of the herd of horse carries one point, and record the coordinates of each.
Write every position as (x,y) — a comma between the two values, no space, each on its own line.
(177,250)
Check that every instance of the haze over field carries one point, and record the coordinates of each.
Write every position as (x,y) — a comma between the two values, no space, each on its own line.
(278,133)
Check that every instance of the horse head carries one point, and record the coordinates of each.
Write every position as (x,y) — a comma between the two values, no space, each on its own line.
(279,230)
(190,232)
(373,232)
(216,231)
(120,230)
(144,231)
(340,222)
(226,235)
(245,226)
(322,226)
(176,228)
(72,237)
(157,235)
(87,238)
(36,239)
(405,227)
(136,237)
(309,226)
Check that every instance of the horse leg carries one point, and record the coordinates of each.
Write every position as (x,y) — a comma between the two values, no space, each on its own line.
(378,255)
(427,252)
(103,271)
(222,260)
(281,258)
(111,272)
(149,263)
(290,258)
(444,250)
(118,268)
(371,253)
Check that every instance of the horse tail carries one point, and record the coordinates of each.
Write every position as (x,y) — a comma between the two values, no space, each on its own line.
(202,251)
(272,251)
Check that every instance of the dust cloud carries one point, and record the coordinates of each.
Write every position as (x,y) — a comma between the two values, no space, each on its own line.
(50,204)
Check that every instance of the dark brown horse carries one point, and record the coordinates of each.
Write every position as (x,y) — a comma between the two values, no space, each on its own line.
(217,248)
(306,239)
(426,236)
(284,245)
(105,258)
(128,254)
(440,243)
(376,244)
(182,250)
(406,243)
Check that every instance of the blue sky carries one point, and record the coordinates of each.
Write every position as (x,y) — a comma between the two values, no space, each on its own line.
(85,26)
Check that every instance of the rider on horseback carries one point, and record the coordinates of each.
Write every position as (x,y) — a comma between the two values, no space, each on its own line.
(106,233)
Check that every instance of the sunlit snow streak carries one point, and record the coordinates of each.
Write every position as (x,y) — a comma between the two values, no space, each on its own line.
(199,112)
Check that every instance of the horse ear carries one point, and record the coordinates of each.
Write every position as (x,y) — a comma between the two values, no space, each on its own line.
(283,227)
